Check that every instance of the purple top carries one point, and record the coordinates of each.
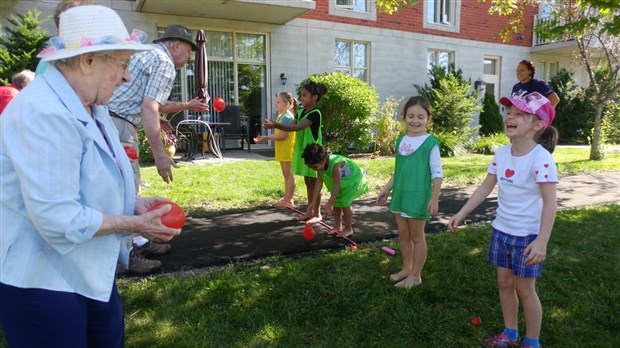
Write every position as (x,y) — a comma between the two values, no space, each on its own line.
(533,85)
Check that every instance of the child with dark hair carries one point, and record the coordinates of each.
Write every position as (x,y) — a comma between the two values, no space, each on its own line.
(308,130)
(344,180)
(528,84)
(526,205)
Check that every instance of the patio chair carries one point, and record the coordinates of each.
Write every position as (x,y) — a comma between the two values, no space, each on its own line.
(236,130)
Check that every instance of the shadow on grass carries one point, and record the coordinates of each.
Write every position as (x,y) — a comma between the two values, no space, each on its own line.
(344,299)
(218,239)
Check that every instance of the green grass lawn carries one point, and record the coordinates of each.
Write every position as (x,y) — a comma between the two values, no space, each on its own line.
(253,183)
(343,298)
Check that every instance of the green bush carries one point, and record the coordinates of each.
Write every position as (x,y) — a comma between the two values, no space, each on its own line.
(146,156)
(491,121)
(451,144)
(611,123)
(488,144)
(452,103)
(575,113)
(348,111)
(388,126)
(21,43)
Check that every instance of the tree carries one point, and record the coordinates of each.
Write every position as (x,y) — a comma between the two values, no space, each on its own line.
(574,115)
(388,126)
(594,25)
(21,43)
(392,6)
(348,111)
(452,102)
(491,121)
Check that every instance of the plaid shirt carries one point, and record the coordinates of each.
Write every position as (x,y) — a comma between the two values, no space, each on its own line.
(152,75)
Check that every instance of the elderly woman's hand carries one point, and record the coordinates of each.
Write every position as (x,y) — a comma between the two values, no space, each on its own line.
(149,225)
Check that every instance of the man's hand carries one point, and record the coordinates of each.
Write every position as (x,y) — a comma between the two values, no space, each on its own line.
(164,167)
(197,105)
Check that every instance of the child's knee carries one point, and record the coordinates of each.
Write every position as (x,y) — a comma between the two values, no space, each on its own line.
(526,288)
(506,280)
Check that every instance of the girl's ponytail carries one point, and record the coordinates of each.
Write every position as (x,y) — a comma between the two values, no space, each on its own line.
(288,97)
(548,138)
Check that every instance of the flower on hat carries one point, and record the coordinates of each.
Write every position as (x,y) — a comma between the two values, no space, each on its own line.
(137,35)
(91,28)
(56,43)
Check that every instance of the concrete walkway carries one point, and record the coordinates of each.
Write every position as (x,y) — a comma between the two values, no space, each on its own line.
(218,239)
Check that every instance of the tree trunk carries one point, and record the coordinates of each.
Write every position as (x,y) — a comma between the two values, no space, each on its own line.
(596,152)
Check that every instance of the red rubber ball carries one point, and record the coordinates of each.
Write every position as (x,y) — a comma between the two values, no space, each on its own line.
(175,218)
(218,104)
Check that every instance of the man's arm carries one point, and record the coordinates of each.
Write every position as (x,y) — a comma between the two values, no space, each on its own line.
(195,104)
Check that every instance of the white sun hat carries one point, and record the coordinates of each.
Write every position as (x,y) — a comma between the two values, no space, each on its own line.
(91,28)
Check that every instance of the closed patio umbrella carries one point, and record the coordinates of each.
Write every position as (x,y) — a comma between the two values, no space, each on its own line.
(201,76)
(200,67)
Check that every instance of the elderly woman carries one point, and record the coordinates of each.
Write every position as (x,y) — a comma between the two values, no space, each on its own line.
(67,200)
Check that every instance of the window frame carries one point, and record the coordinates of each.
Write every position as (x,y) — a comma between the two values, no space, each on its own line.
(339,10)
(453,22)
(349,69)
(436,51)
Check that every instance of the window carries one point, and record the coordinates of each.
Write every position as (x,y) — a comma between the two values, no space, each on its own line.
(440,11)
(491,75)
(440,58)
(237,73)
(352,5)
(442,14)
(352,59)
(547,70)
(360,9)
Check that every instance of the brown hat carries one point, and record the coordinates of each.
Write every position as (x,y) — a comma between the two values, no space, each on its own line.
(178,32)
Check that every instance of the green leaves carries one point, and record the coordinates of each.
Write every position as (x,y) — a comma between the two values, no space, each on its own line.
(348,109)
(24,38)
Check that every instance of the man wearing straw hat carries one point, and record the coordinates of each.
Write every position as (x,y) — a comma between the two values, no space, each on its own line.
(139,102)
(68,202)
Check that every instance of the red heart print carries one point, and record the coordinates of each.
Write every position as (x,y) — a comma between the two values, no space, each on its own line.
(536,172)
(509,173)
(546,176)
(494,164)
(546,165)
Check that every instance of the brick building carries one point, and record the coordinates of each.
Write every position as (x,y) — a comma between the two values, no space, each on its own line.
(257,48)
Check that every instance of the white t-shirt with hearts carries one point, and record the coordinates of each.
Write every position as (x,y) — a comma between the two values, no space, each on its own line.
(519,203)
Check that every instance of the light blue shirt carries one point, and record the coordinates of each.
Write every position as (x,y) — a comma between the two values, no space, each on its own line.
(59,177)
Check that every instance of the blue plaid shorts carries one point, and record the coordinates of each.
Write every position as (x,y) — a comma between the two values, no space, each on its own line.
(508,251)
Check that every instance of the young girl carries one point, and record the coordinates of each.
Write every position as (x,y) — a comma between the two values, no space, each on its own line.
(415,187)
(284,144)
(343,179)
(526,206)
(308,130)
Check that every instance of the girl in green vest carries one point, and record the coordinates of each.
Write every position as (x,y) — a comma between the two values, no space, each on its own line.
(343,179)
(308,130)
(415,187)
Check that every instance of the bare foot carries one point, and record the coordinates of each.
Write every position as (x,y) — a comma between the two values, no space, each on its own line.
(335,230)
(283,204)
(304,218)
(314,220)
(345,233)
(396,277)
(409,282)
